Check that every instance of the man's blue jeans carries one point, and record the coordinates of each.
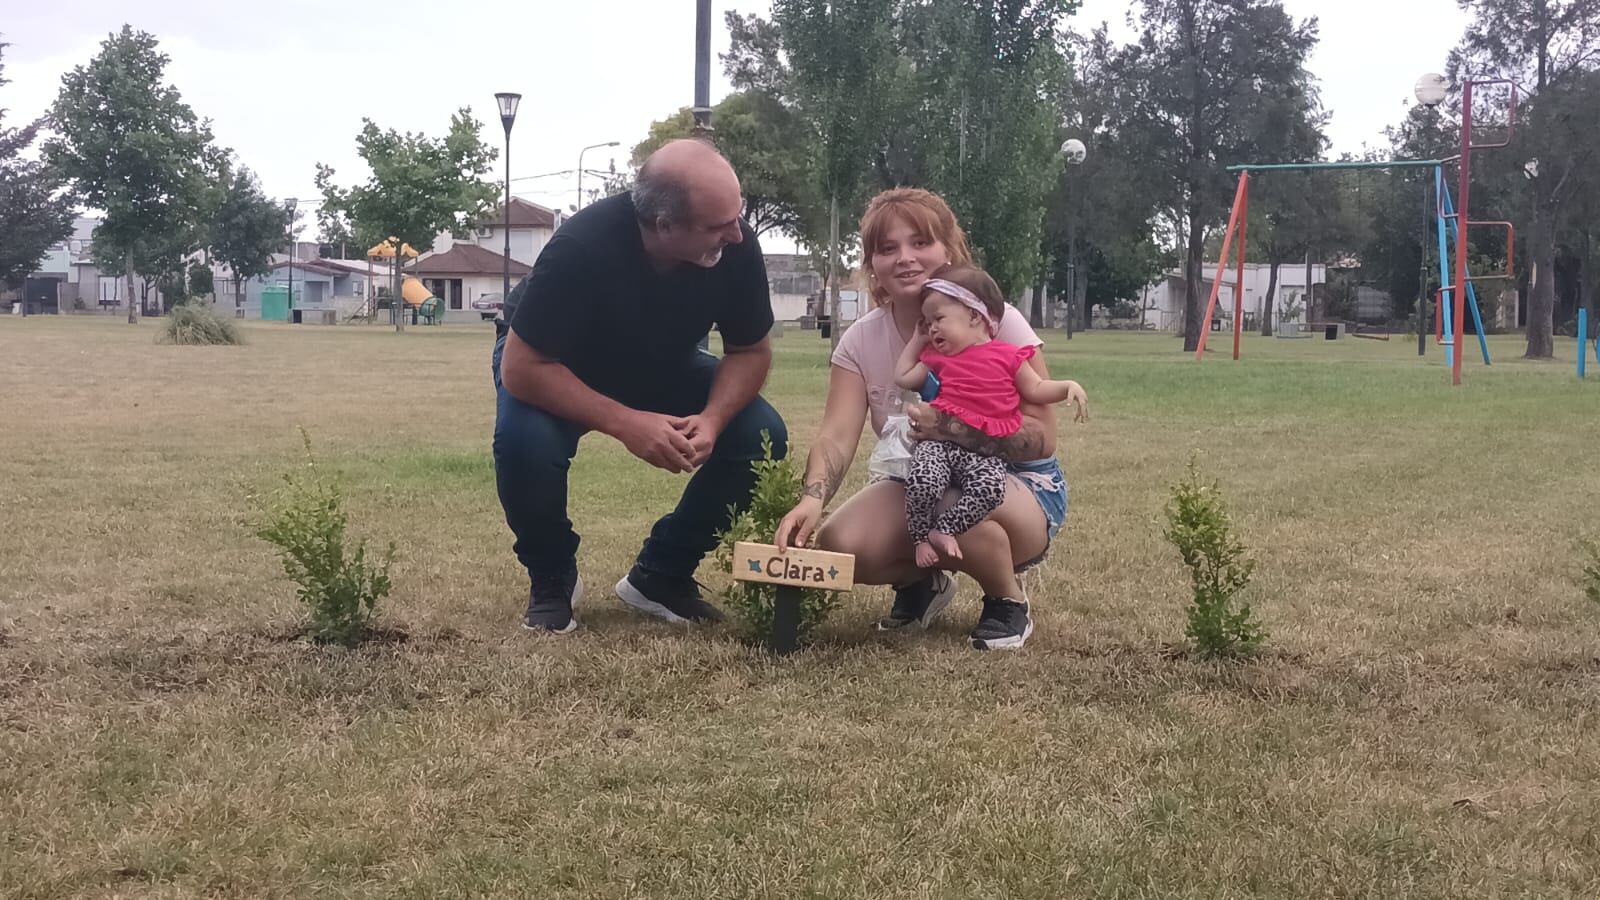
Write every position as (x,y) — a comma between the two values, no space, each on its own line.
(533,452)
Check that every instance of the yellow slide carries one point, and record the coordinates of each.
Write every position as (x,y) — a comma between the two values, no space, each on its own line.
(413,293)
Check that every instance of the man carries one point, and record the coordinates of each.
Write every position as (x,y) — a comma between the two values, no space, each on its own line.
(604,336)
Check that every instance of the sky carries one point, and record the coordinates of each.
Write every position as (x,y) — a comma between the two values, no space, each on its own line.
(289,89)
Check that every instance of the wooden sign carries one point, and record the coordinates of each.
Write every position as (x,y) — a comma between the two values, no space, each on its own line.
(791,569)
(796,566)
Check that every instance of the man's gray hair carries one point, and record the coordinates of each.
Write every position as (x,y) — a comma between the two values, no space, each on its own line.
(659,195)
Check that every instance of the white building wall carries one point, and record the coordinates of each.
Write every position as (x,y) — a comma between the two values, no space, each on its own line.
(1164,299)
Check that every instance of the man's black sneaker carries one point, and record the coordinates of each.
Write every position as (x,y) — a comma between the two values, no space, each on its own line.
(550,603)
(675,599)
(917,605)
(1004,625)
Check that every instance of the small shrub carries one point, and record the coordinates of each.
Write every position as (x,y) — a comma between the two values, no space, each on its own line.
(1198,524)
(1591,571)
(776,491)
(195,323)
(306,521)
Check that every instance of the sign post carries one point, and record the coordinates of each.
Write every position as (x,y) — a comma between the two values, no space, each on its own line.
(792,569)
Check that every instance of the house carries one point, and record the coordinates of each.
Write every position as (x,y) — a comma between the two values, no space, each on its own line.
(58,284)
(340,285)
(796,288)
(462,274)
(1163,300)
(461,269)
(792,281)
(531,228)
(69,280)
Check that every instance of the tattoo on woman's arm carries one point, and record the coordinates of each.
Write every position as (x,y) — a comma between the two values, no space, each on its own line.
(1027,443)
(833,471)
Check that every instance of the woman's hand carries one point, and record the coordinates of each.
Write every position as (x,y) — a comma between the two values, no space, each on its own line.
(924,420)
(796,528)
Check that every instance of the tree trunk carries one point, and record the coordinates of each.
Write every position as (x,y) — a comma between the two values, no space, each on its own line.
(1084,309)
(1540,330)
(833,273)
(1272,290)
(1036,311)
(1588,291)
(399,286)
(133,318)
(1308,308)
(1072,272)
(1193,312)
(1542,293)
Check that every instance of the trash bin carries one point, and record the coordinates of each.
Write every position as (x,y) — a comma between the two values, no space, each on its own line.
(295,315)
(824,327)
(275,303)
(1330,332)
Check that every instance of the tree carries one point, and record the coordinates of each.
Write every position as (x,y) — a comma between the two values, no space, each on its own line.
(130,146)
(954,96)
(766,143)
(419,186)
(975,117)
(1202,88)
(839,54)
(1547,46)
(38,212)
(1101,211)
(247,229)
(1286,208)
(1580,228)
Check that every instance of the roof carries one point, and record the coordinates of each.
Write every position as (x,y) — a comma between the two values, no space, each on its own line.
(319,266)
(523,215)
(466,259)
(357,266)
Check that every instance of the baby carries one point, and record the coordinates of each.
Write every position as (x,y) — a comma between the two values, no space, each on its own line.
(982,382)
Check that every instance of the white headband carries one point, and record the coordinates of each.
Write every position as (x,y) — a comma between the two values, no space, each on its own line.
(967,298)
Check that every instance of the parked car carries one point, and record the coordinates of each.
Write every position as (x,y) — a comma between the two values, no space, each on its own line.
(488,305)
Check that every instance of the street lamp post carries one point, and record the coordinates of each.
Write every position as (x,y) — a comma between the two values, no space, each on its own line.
(508,114)
(1075,152)
(702,68)
(290,204)
(580,169)
(1430,92)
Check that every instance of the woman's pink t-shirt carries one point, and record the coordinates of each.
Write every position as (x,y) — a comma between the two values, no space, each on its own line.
(872,345)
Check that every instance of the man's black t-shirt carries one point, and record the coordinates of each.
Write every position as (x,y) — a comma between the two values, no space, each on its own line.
(594,302)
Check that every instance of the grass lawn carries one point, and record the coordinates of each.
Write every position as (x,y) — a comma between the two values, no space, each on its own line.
(1424,721)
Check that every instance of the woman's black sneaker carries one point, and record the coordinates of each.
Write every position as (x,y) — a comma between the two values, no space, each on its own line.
(917,605)
(1004,625)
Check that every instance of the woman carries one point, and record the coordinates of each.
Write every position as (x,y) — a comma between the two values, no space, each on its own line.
(907,235)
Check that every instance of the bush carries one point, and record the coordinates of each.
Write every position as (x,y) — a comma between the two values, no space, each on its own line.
(195,323)
(1198,524)
(306,521)
(776,491)
(1591,571)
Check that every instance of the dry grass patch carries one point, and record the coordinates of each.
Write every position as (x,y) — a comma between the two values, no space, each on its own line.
(1421,722)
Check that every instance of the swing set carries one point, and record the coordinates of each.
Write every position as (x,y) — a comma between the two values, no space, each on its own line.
(1451,305)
